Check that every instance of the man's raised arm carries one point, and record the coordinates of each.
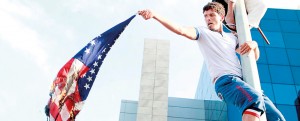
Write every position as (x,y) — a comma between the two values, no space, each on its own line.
(188,32)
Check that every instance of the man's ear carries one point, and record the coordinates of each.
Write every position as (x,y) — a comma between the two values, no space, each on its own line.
(222,18)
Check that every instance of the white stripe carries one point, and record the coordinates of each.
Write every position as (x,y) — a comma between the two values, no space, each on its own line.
(78,106)
(51,118)
(74,71)
(64,113)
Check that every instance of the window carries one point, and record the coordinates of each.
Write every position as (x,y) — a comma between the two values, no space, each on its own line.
(256,36)
(270,14)
(290,26)
(287,15)
(297,102)
(129,117)
(268,91)
(298,13)
(275,38)
(277,56)
(281,74)
(289,112)
(262,57)
(270,25)
(291,40)
(296,74)
(264,74)
(284,94)
(294,57)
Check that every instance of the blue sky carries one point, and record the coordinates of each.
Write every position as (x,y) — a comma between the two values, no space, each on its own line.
(38,37)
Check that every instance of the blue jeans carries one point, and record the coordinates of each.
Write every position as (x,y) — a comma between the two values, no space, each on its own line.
(232,89)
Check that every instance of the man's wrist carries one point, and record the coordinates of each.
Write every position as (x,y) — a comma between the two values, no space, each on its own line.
(255,44)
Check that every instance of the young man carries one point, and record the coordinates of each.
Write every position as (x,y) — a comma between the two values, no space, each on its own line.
(219,51)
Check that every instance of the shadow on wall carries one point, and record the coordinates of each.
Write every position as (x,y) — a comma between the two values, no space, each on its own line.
(297,104)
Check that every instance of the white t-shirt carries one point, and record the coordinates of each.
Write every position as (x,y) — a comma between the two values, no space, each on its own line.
(219,52)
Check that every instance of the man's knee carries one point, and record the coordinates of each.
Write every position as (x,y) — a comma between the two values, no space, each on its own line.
(252,112)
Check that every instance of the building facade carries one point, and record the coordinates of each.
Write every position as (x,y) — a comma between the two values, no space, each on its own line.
(279,72)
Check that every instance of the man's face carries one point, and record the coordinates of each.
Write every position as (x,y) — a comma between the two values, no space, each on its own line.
(213,20)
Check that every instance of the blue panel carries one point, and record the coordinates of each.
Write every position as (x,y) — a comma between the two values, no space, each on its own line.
(121,116)
(296,74)
(270,14)
(287,15)
(130,117)
(215,115)
(277,56)
(270,25)
(223,116)
(233,113)
(284,94)
(191,113)
(131,107)
(290,26)
(294,57)
(123,104)
(183,119)
(292,40)
(268,91)
(297,102)
(186,103)
(289,112)
(281,74)
(214,105)
(256,36)
(262,57)
(298,13)
(275,38)
(264,74)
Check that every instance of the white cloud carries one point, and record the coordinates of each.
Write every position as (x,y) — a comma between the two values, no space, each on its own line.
(15,8)
(7,101)
(20,36)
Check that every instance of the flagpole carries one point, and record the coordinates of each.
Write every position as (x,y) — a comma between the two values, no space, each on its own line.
(249,67)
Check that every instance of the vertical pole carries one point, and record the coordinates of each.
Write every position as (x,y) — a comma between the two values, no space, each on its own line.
(249,67)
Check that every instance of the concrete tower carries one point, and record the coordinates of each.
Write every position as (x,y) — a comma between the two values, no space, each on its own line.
(153,98)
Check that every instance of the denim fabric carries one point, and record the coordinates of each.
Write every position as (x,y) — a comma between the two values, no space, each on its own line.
(232,89)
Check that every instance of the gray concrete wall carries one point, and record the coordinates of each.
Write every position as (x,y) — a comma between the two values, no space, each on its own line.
(153,98)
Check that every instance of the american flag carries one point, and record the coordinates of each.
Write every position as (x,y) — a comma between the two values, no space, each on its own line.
(75,79)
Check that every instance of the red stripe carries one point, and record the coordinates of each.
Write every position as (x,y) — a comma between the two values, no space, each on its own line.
(83,70)
(60,81)
(69,104)
(245,93)
(252,113)
(54,111)
(62,74)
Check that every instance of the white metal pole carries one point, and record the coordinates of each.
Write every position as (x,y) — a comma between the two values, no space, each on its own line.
(249,67)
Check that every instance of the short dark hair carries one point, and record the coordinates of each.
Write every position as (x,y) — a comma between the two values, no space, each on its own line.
(215,6)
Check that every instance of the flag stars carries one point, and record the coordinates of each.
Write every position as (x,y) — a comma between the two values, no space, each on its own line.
(87,86)
(99,57)
(95,64)
(87,50)
(103,50)
(84,75)
(89,78)
(92,71)
(93,42)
